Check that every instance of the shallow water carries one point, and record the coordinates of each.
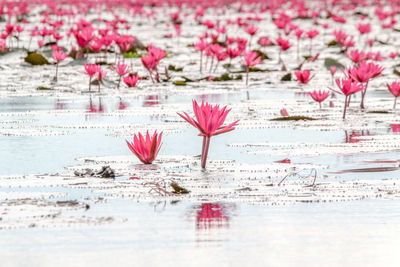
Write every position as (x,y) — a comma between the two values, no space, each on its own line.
(243,218)
(361,233)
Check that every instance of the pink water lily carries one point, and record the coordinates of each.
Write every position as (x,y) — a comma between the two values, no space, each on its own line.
(145,148)
(121,69)
(319,96)
(394,88)
(250,59)
(91,70)
(131,80)
(209,121)
(303,76)
(347,88)
(58,56)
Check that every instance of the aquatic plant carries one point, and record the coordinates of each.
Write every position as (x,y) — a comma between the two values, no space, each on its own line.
(319,96)
(121,69)
(209,121)
(250,59)
(58,56)
(91,70)
(146,148)
(347,88)
(394,88)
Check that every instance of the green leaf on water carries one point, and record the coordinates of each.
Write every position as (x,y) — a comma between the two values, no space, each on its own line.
(180,83)
(294,118)
(287,77)
(36,59)
(332,62)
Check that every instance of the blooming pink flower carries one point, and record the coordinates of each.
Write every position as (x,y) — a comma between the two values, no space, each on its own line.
(209,121)
(252,30)
(145,148)
(319,96)
(91,70)
(364,28)
(312,33)
(347,87)
(121,69)
(303,76)
(283,43)
(250,59)
(59,55)
(394,88)
(264,41)
(356,55)
(131,80)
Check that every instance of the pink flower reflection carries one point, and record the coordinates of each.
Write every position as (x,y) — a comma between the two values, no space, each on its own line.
(151,100)
(93,108)
(395,128)
(354,136)
(211,215)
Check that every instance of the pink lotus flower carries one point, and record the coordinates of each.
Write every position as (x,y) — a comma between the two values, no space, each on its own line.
(319,96)
(201,46)
(356,56)
(284,44)
(209,122)
(363,73)
(100,75)
(311,34)
(250,59)
(394,88)
(131,80)
(303,76)
(284,112)
(145,149)
(58,56)
(91,70)
(264,41)
(252,30)
(364,28)
(121,69)
(347,87)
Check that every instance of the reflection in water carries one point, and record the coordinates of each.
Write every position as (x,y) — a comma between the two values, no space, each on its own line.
(353,136)
(122,105)
(212,215)
(395,128)
(93,108)
(151,100)
(60,105)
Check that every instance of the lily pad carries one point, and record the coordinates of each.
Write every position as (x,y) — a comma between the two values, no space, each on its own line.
(36,59)
(333,43)
(294,118)
(43,88)
(174,68)
(329,62)
(180,83)
(287,77)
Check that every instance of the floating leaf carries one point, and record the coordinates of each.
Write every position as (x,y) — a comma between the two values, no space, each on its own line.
(379,112)
(287,77)
(329,62)
(179,189)
(174,68)
(395,71)
(261,54)
(180,83)
(294,118)
(333,43)
(43,88)
(36,59)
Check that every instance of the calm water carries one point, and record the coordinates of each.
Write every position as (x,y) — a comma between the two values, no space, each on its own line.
(359,233)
